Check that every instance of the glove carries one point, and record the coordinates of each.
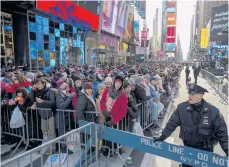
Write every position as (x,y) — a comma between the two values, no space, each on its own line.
(157,139)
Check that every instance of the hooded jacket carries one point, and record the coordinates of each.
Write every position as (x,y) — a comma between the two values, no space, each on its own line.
(85,103)
(119,103)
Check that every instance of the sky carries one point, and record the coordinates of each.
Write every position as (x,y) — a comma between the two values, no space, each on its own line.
(185,10)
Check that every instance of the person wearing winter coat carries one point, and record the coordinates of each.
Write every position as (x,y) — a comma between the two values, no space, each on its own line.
(43,98)
(132,110)
(140,90)
(77,89)
(187,72)
(133,87)
(114,102)
(85,102)
(63,101)
(101,88)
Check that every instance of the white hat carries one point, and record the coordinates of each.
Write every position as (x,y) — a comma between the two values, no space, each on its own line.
(108,80)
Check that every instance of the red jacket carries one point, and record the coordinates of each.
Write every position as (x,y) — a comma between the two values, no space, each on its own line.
(13,87)
(119,108)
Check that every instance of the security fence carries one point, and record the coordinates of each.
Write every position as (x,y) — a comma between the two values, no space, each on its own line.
(220,87)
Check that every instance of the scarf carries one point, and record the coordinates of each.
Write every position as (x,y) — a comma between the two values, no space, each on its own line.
(115,94)
(40,93)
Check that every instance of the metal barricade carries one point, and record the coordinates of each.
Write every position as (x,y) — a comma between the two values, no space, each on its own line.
(85,154)
(43,124)
(12,134)
(220,88)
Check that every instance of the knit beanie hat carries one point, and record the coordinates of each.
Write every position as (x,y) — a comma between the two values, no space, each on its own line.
(126,83)
(147,76)
(139,79)
(119,78)
(108,80)
(101,85)
(62,85)
(131,72)
(88,85)
(132,82)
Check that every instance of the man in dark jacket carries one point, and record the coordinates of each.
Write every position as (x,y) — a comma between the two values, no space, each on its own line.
(133,87)
(196,73)
(140,92)
(43,99)
(187,72)
(201,124)
(85,102)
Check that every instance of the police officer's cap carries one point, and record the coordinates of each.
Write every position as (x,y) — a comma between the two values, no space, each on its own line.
(196,89)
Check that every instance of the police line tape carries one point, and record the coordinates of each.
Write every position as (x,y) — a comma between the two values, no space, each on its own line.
(183,154)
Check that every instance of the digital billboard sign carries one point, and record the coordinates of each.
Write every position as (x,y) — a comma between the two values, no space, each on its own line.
(70,12)
(171,19)
(219,25)
(130,24)
(171,34)
(204,38)
(171,46)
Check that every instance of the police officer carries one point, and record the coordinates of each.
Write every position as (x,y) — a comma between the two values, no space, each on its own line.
(201,124)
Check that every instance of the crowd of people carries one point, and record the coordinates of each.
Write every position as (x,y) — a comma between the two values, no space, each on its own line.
(114,92)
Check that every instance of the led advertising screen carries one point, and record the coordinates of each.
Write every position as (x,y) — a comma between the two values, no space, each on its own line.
(171,3)
(171,10)
(114,17)
(130,23)
(204,38)
(171,46)
(69,11)
(171,19)
(219,25)
(122,18)
(171,34)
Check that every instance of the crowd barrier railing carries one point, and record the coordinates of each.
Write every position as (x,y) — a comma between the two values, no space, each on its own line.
(10,134)
(42,125)
(126,124)
(84,155)
(220,87)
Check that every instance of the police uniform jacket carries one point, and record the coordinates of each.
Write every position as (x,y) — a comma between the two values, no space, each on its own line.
(198,129)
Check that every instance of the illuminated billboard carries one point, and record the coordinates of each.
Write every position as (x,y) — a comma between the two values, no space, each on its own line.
(204,38)
(171,19)
(171,46)
(171,35)
(69,10)
(109,16)
(171,3)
